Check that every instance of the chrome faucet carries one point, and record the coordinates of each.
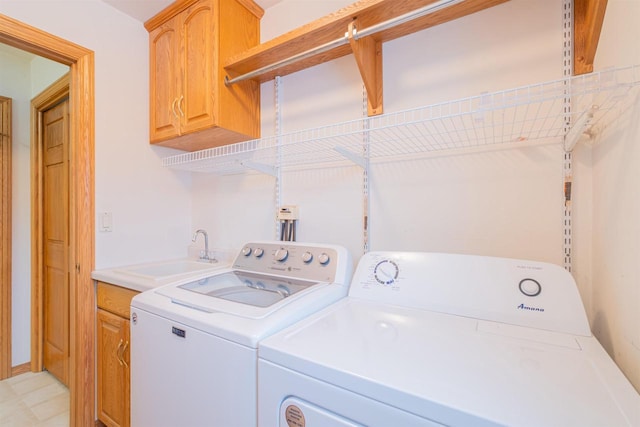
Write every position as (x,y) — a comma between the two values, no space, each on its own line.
(204,257)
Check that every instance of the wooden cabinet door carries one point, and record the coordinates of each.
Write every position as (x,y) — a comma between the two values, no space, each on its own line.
(197,99)
(164,88)
(113,370)
(190,107)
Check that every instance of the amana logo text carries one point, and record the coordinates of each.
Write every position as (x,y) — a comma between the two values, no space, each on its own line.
(525,307)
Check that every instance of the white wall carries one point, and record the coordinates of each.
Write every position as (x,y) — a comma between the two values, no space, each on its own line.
(506,203)
(15,83)
(43,73)
(616,225)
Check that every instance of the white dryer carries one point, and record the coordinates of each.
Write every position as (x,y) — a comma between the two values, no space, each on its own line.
(194,344)
(434,339)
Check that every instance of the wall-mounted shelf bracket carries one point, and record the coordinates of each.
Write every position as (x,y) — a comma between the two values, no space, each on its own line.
(588,19)
(368,54)
(265,169)
(579,128)
(350,155)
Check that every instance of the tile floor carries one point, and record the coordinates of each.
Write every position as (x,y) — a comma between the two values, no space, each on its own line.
(33,400)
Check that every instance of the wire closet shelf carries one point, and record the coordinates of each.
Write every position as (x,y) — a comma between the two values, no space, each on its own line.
(534,113)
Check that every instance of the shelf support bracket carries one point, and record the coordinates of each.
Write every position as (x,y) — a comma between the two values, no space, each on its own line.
(368,54)
(265,169)
(349,155)
(579,128)
(588,19)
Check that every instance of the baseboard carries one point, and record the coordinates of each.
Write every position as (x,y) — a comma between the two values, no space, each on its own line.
(21,369)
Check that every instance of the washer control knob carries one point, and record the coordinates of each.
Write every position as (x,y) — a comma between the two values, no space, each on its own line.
(530,287)
(307,257)
(246,251)
(324,258)
(281,255)
(258,252)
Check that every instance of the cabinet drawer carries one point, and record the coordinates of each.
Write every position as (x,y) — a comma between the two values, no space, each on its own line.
(115,299)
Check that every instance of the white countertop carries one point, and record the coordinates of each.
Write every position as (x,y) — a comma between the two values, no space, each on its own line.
(142,277)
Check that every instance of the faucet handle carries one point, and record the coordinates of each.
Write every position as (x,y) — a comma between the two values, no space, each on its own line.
(207,257)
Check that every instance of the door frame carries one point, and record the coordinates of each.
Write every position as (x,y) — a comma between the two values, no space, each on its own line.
(48,98)
(5,239)
(81,197)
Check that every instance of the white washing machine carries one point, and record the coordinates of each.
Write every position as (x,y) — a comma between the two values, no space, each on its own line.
(435,339)
(194,344)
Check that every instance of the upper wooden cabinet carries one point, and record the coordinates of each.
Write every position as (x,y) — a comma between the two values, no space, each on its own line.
(190,106)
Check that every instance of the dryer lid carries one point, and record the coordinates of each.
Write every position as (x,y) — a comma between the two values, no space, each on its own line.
(457,370)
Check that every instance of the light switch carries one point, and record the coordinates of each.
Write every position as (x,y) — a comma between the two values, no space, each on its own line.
(106,222)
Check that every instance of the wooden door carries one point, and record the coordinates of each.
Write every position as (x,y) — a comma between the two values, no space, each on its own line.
(164,83)
(5,237)
(113,369)
(55,139)
(198,95)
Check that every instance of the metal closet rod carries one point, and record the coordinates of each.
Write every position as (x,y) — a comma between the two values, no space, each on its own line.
(418,13)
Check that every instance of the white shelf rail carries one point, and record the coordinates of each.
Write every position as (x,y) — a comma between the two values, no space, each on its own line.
(515,116)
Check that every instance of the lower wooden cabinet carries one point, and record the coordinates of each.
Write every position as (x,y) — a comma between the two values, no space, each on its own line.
(113,345)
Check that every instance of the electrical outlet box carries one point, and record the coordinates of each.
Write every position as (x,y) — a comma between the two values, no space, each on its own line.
(288,212)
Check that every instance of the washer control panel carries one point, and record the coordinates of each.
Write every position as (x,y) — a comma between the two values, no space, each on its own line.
(519,292)
(312,262)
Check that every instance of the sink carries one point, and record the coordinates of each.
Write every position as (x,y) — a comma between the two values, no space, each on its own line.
(160,271)
(143,277)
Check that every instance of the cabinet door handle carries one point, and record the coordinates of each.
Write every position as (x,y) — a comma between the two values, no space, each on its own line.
(124,348)
(173,108)
(179,105)
(118,352)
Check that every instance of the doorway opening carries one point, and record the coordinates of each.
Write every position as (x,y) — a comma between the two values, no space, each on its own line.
(81,206)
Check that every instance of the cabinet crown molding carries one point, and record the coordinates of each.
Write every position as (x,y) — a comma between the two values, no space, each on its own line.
(178,6)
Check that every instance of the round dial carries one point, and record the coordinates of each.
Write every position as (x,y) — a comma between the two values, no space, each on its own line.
(386,272)
(530,287)
(324,258)
(258,252)
(246,251)
(281,254)
(307,257)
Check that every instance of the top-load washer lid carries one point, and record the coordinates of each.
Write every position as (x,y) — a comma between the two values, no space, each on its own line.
(240,293)
(265,278)
(462,340)
(247,288)
(269,286)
